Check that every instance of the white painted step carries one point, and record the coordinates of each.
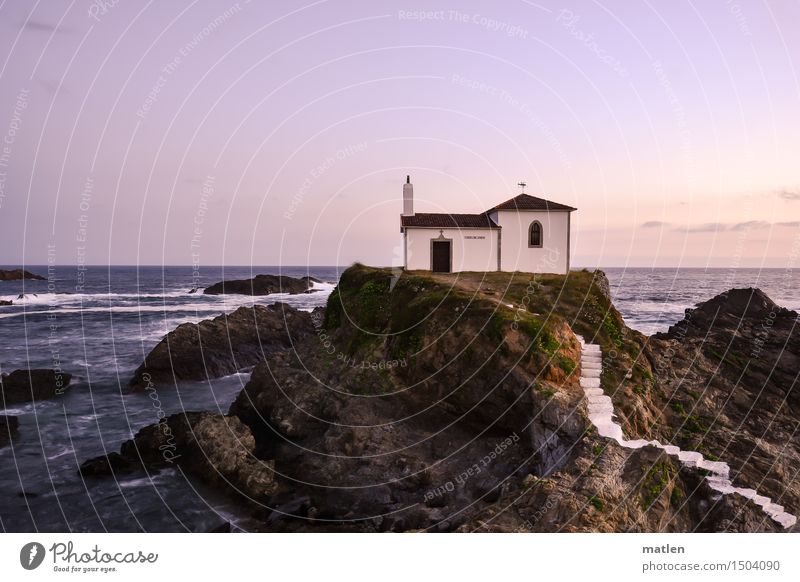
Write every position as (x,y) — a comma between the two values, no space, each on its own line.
(600,410)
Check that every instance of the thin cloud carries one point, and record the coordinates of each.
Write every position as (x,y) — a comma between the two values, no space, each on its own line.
(789,194)
(39,26)
(734,227)
(707,227)
(654,224)
(750,225)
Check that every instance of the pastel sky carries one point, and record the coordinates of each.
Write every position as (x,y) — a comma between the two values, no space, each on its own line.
(281,132)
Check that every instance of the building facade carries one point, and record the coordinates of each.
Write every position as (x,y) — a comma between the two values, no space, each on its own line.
(524,233)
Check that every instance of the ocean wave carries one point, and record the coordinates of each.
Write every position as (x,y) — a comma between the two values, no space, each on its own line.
(209,305)
(33,298)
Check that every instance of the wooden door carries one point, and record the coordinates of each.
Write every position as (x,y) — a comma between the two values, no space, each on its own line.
(440,256)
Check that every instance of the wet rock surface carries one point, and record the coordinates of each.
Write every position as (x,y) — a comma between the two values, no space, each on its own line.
(18,275)
(31,385)
(221,346)
(215,448)
(262,285)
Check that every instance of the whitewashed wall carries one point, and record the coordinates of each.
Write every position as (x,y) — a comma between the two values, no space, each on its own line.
(473,249)
(514,250)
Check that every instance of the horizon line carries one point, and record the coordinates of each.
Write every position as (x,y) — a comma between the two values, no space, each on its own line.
(574,268)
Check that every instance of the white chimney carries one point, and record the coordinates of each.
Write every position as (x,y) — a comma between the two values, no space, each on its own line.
(408,197)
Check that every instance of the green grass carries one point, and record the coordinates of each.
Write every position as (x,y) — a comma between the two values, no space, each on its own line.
(656,480)
(694,424)
(547,392)
(567,364)
(676,497)
(734,360)
(597,503)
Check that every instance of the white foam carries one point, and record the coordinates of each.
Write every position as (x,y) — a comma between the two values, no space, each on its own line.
(75,303)
(600,409)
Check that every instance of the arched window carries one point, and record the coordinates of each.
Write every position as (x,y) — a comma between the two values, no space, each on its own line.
(535,234)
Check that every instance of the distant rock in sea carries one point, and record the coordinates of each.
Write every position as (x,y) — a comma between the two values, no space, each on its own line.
(8,429)
(4,303)
(29,385)
(223,345)
(18,274)
(262,285)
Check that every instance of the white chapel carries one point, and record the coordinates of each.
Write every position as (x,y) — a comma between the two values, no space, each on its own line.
(524,233)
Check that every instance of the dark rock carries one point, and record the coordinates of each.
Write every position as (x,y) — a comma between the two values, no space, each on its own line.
(215,448)
(730,311)
(110,464)
(4,303)
(9,426)
(602,283)
(262,285)
(30,385)
(222,346)
(192,290)
(18,274)
(414,404)
(359,425)
(727,375)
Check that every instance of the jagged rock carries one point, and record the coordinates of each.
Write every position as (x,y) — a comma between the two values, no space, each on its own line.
(737,310)
(104,465)
(728,376)
(361,423)
(430,402)
(18,274)
(9,426)
(262,285)
(4,303)
(29,385)
(216,448)
(221,346)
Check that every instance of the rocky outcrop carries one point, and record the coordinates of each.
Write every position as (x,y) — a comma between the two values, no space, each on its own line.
(611,489)
(222,345)
(215,448)
(31,385)
(18,274)
(443,403)
(382,422)
(9,426)
(262,285)
(4,303)
(726,379)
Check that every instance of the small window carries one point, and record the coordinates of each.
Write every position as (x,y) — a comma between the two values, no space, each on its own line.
(535,234)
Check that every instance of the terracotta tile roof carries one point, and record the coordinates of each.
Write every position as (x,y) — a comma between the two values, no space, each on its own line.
(527,202)
(431,220)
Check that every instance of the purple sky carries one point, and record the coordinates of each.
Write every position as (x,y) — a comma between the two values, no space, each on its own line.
(242,133)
